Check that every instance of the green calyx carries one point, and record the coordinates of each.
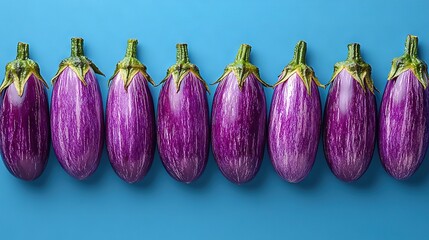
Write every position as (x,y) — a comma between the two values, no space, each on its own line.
(129,66)
(182,67)
(354,64)
(77,61)
(410,60)
(298,66)
(242,68)
(20,70)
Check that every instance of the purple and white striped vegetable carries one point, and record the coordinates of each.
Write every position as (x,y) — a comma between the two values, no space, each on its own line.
(183,120)
(77,114)
(295,119)
(239,119)
(350,116)
(24,118)
(404,114)
(130,118)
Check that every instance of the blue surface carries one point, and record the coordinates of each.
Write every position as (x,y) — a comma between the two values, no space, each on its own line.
(58,207)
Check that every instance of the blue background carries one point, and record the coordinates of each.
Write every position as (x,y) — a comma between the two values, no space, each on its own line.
(103,207)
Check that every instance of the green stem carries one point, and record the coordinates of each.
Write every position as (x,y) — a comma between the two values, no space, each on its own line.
(299,54)
(132,48)
(411,45)
(182,53)
(77,47)
(354,52)
(243,53)
(22,51)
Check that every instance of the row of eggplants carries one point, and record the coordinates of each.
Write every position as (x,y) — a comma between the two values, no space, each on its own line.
(238,125)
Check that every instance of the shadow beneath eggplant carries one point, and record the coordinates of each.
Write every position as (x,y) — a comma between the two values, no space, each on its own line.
(261,177)
(315,176)
(43,179)
(370,177)
(102,168)
(158,168)
(420,177)
(207,175)
(150,178)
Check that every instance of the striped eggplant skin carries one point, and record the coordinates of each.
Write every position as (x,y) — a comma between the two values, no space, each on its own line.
(404,121)
(350,125)
(24,129)
(403,128)
(24,115)
(295,119)
(130,128)
(130,118)
(183,128)
(77,123)
(294,128)
(238,127)
(183,121)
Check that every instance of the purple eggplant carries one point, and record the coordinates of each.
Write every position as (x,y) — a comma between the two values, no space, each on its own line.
(77,114)
(239,119)
(183,120)
(295,119)
(130,118)
(24,118)
(404,114)
(350,117)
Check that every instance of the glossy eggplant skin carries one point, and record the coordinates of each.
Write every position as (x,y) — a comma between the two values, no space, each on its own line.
(130,127)
(77,123)
(403,129)
(183,127)
(239,127)
(294,128)
(350,125)
(24,129)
